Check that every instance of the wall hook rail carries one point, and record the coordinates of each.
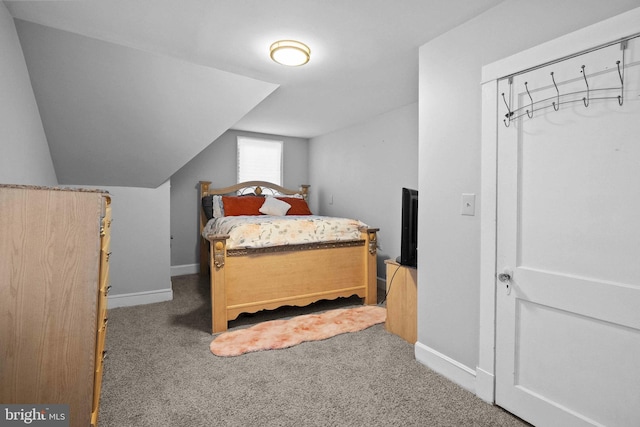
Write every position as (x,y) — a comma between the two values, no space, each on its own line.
(507,121)
(621,96)
(586,99)
(509,114)
(556,103)
(568,96)
(526,86)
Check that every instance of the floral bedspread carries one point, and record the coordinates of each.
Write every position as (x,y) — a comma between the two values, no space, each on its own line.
(261,231)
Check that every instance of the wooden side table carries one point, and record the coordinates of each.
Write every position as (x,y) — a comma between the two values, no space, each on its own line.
(402,308)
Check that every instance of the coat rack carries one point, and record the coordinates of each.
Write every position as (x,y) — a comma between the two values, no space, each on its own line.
(557,100)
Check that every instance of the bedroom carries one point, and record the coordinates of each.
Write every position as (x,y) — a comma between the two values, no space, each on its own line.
(453,162)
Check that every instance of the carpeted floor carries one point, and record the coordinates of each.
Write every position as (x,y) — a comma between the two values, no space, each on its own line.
(159,372)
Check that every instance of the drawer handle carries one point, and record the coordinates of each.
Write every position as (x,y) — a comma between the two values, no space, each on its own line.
(103,225)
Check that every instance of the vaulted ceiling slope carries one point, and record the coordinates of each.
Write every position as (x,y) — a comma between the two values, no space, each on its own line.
(131,90)
(119,116)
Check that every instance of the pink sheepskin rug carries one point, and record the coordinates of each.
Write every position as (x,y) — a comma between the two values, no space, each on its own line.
(277,334)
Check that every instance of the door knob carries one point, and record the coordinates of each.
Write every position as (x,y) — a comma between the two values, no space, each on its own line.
(504,277)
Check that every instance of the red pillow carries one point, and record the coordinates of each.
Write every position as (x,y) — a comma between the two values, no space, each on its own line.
(298,206)
(242,205)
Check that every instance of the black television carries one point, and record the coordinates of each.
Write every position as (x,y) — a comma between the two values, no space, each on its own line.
(409,232)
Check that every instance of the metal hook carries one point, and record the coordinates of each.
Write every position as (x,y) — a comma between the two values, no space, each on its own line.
(527,88)
(553,103)
(620,97)
(509,112)
(585,100)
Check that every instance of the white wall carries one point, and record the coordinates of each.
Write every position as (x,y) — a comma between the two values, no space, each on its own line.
(449,156)
(359,172)
(218,163)
(24,153)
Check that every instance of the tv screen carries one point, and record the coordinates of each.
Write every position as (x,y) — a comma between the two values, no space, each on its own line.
(409,232)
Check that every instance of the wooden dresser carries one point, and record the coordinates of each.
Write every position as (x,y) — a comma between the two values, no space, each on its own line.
(54,279)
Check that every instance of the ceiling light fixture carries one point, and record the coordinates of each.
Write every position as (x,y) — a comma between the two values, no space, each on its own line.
(290,52)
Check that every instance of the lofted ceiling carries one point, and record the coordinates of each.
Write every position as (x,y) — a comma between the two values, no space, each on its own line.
(130,90)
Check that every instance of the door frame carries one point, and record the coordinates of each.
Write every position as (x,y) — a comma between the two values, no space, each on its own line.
(610,30)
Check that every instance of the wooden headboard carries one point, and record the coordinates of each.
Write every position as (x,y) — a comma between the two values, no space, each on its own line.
(248,187)
(256,187)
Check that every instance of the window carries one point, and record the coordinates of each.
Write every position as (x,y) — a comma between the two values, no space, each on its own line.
(259,160)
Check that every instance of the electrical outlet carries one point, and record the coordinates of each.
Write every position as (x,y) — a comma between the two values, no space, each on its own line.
(468,204)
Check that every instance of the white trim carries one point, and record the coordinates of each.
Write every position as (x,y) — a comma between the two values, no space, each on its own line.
(618,27)
(488,221)
(485,385)
(139,298)
(181,270)
(446,366)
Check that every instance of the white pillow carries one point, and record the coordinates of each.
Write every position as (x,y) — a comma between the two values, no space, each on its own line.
(218,207)
(273,206)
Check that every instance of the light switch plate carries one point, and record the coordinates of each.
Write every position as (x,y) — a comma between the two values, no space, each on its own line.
(468,204)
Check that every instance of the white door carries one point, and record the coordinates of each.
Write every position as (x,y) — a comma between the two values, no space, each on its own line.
(568,305)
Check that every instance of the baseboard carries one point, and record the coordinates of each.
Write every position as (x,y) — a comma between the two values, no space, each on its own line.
(181,270)
(140,298)
(485,385)
(451,369)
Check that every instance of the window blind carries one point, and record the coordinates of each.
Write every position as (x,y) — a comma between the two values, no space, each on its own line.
(259,159)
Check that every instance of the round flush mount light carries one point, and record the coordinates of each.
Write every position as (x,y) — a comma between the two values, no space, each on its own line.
(290,52)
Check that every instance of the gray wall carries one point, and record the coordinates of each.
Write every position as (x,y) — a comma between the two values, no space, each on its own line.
(450,102)
(359,172)
(139,243)
(218,163)
(122,116)
(24,153)
(139,269)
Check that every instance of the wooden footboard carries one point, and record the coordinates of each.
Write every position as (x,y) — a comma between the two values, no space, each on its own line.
(248,281)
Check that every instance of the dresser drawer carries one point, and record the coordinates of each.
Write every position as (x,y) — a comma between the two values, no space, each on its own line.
(99,364)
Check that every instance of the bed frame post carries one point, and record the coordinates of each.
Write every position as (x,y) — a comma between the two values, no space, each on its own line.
(204,244)
(217,260)
(304,190)
(371,266)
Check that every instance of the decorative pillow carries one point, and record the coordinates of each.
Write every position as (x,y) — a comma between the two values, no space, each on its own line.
(273,206)
(207,207)
(212,206)
(242,205)
(298,206)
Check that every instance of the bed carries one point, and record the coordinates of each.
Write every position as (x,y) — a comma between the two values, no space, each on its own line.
(249,277)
